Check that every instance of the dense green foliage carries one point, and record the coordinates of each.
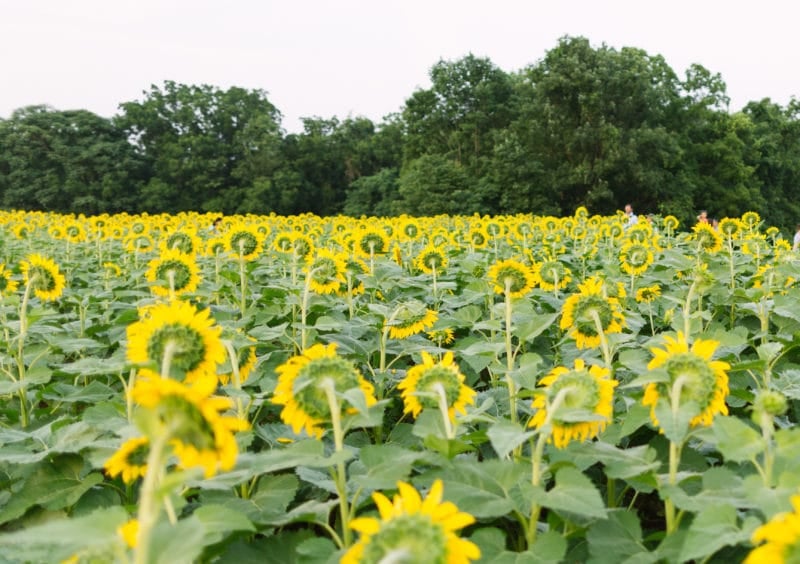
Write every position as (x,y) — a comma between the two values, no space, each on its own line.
(585,125)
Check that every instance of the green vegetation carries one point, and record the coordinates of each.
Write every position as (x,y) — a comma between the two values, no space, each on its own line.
(585,125)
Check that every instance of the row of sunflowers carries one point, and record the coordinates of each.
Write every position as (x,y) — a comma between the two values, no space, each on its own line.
(442,389)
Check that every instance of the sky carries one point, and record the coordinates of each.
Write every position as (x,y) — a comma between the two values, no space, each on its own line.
(349,58)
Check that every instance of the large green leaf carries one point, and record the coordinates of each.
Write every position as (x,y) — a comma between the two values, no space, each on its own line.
(574,493)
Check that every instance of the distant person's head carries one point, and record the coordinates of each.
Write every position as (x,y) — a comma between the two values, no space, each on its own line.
(628,209)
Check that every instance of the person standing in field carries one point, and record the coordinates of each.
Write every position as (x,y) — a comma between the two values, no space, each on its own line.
(632,218)
(703,217)
(796,240)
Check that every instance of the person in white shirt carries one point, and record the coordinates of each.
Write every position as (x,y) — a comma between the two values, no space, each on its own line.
(796,240)
(632,218)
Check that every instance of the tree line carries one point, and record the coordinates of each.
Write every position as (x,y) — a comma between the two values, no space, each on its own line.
(585,125)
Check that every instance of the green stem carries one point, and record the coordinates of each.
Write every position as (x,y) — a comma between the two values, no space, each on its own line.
(23,332)
(236,378)
(340,473)
(674,455)
(687,308)
(149,506)
(512,387)
(598,326)
(242,286)
(441,395)
(166,361)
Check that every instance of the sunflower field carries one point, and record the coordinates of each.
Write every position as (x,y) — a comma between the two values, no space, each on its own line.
(510,390)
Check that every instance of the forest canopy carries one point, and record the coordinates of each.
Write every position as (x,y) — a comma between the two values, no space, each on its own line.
(584,126)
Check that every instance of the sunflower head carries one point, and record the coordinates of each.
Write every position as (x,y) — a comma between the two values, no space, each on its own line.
(635,257)
(326,272)
(178,337)
(551,274)
(174,272)
(579,311)
(780,537)
(130,460)
(751,220)
(301,387)
(691,373)
(670,223)
(648,294)
(430,259)
(425,382)
(409,318)
(730,227)
(707,238)
(244,242)
(442,337)
(371,241)
(511,277)
(577,402)
(412,529)
(7,284)
(43,276)
(184,241)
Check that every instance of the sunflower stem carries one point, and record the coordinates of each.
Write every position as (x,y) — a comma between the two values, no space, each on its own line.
(171,279)
(149,507)
(650,315)
(166,361)
(687,325)
(242,285)
(674,455)
(23,332)
(441,395)
(512,388)
(338,441)
(236,378)
(598,325)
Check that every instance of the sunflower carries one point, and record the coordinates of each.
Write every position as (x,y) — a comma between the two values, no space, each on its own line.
(782,538)
(577,315)
(301,392)
(648,294)
(410,318)
(138,243)
(478,237)
(178,329)
(702,380)
(551,274)
(518,277)
(730,227)
(301,245)
(246,357)
(670,223)
(635,258)
(199,435)
(129,461)
(409,229)
(588,395)
(354,267)
(326,272)
(75,232)
(431,258)
(44,277)
(129,531)
(22,230)
(216,246)
(751,220)
(183,240)
(283,242)
(371,241)
(441,337)
(112,269)
(243,241)
(412,529)
(7,284)
(173,271)
(707,238)
(419,387)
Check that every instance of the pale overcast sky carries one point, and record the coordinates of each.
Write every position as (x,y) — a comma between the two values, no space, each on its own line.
(363,57)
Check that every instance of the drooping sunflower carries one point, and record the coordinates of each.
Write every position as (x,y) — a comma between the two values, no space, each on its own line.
(635,258)
(7,284)
(707,238)
(751,220)
(441,337)
(702,380)
(300,389)
(412,529)
(173,269)
(551,274)
(112,269)
(730,227)
(44,277)
(518,276)
(130,460)
(578,314)
(301,246)
(588,392)
(244,241)
(326,272)
(410,318)
(648,294)
(200,436)
(419,387)
(670,223)
(781,537)
(183,240)
(190,337)
(431,258)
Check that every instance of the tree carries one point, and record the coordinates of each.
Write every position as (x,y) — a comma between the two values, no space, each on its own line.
(433,184)
(66,161)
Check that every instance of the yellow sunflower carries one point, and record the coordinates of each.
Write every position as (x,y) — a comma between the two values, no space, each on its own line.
(412,529)
(442,337)
(128,532)
(586,395)
(189,337)
(578,314)
(648,294)
(670,224)
(246,357)
(244,241)
(199,435)
(409,229)
(175,271)
(701,380)
(551,274)
(326,272)
(44,277)
(751,220)
(130,460)
(7,284)
(300,389)
(410,318)
(420,386)
(478,237)
(781,537)
(183,240)
(301,245)
(707,238)
(516,275)
(635,258)
(371,241)
(431,259)
(354,268)
(730,227)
